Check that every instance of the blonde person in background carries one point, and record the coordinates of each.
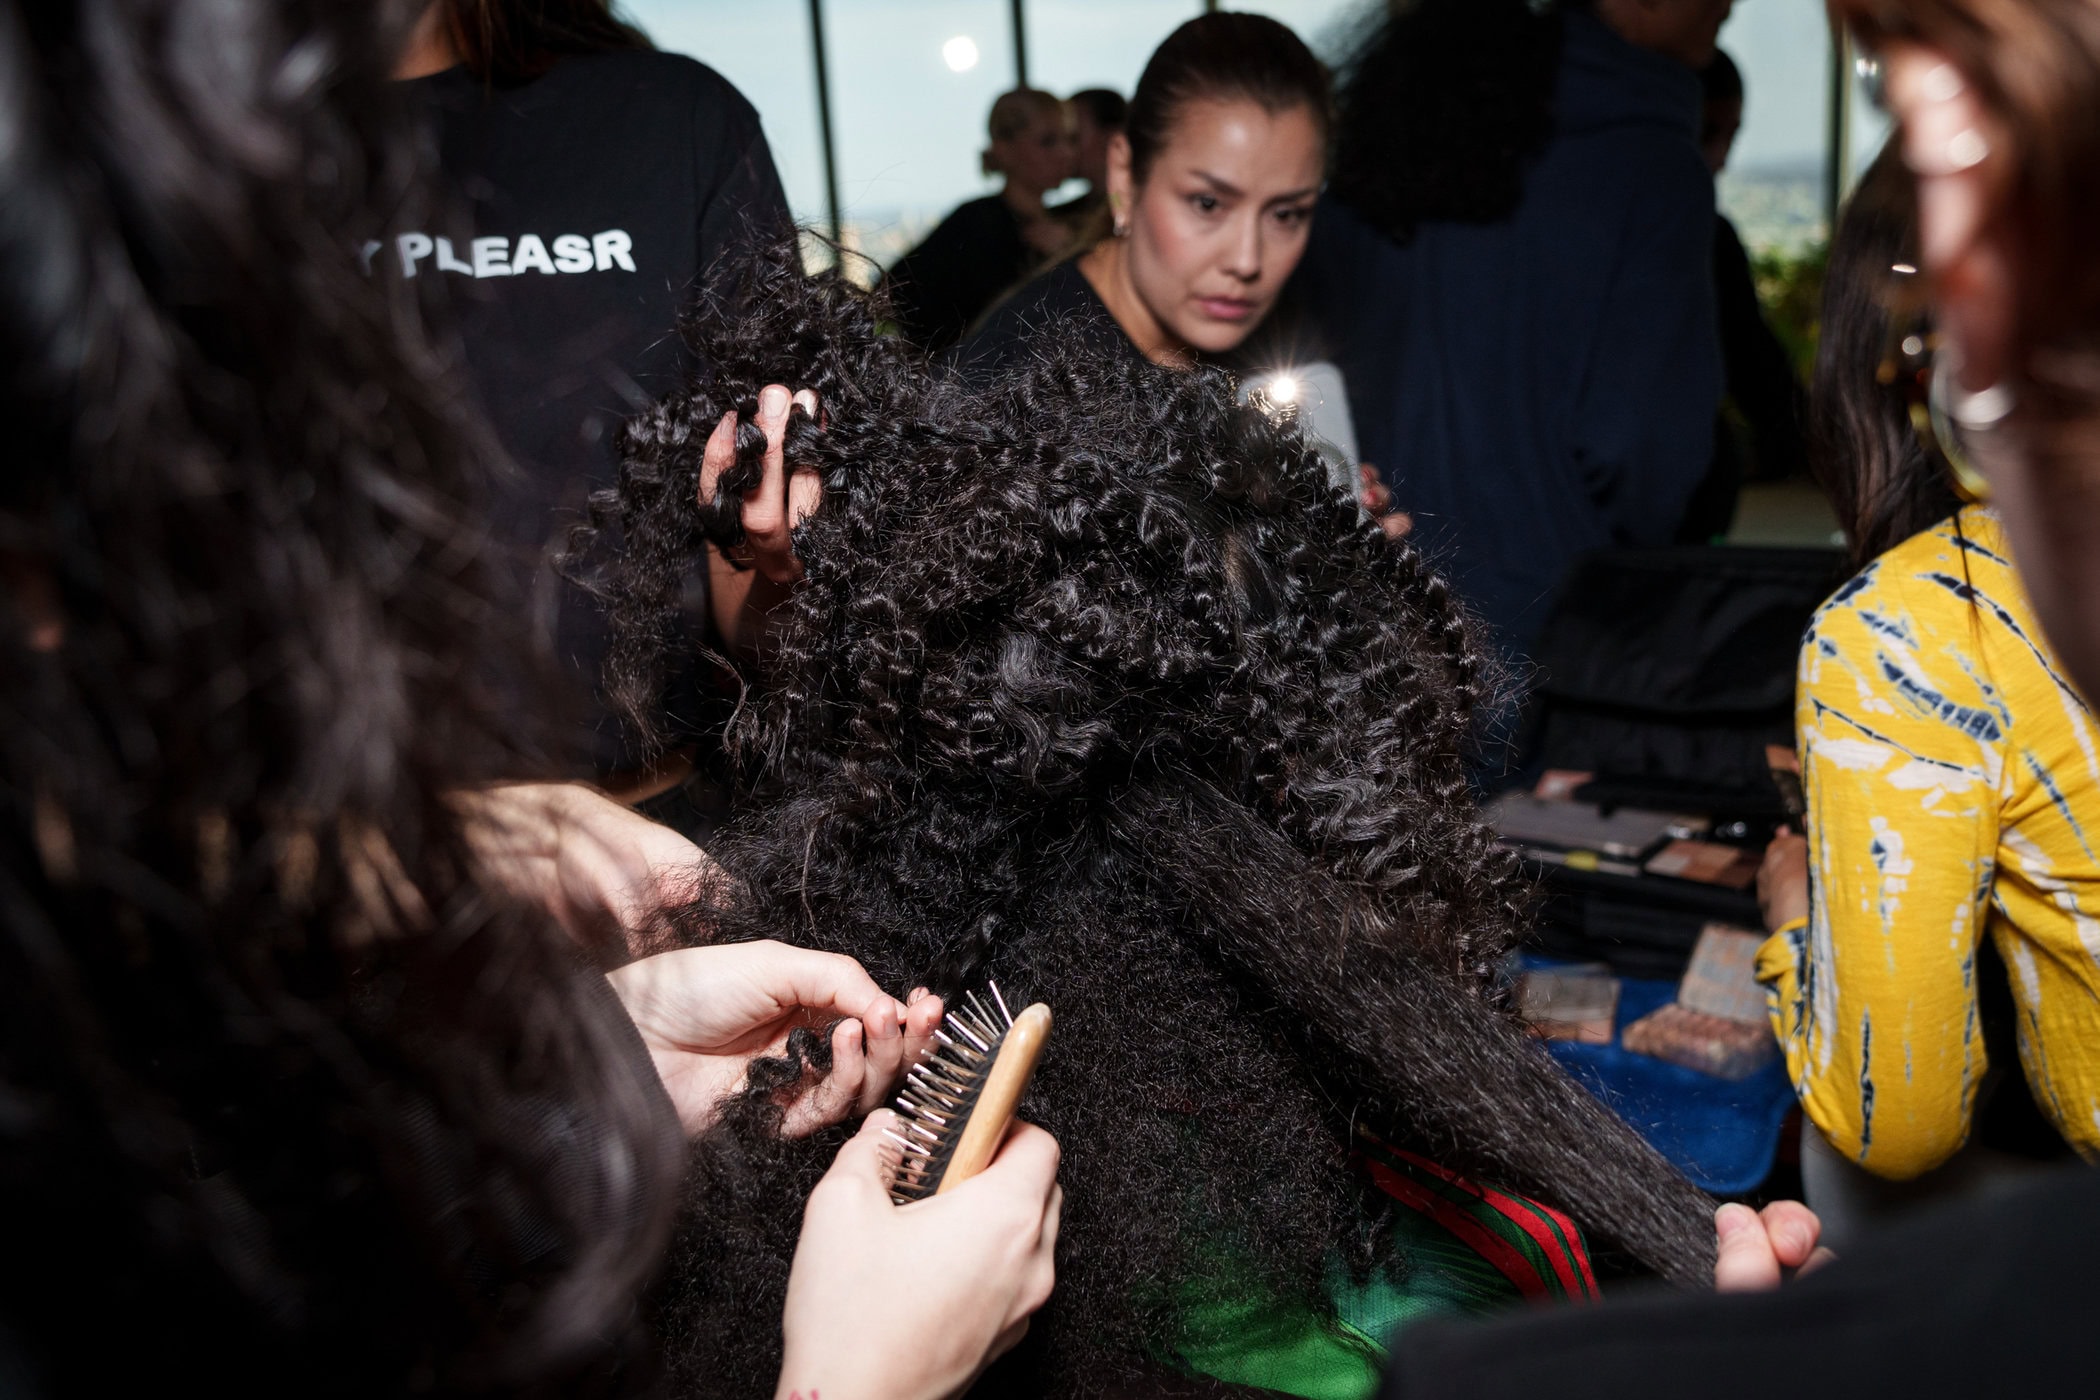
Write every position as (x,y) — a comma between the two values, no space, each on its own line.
(1953,791)
(988,245)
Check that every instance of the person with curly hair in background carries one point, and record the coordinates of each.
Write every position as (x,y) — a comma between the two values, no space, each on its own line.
(1513,270)
(1092,685)
(306,1091)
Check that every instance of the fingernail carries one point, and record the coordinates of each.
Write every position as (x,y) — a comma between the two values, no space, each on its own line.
(1967,149)
(1942,84)
(1731,1218)
(773,401)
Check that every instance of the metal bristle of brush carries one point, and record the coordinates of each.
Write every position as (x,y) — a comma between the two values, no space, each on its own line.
(956,1104)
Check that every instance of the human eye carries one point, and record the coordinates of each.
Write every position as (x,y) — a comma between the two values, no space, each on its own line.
(1294,215)
(1204,203)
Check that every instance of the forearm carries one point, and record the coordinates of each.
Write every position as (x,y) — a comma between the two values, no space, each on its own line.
(1873,999)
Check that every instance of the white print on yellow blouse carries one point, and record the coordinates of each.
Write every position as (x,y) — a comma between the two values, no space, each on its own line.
(497,257)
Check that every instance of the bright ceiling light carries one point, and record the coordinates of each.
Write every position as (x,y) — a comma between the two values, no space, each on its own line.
(960,54)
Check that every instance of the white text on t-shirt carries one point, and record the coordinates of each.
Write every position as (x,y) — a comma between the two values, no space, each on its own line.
(497,257)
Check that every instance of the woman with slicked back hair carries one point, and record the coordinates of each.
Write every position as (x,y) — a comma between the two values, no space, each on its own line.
(1209,199)
(1211,184)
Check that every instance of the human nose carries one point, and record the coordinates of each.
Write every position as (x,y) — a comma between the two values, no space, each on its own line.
(1244,254)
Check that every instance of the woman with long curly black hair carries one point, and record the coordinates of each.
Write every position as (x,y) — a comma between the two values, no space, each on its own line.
(1093,686)
(300,1093)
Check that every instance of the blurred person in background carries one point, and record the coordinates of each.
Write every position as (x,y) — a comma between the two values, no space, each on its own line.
(1210,195)
(1514,272)
(305,1082)
(1098,115)
(1949,775)
(587,181)
(1758,435)
(1999,105)
(940,288)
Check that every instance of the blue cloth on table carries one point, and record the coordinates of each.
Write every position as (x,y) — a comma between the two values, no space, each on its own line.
(1721,1134)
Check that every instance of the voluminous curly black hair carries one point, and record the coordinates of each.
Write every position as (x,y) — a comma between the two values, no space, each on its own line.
(1441,106)
(1096,687)
(285,1100)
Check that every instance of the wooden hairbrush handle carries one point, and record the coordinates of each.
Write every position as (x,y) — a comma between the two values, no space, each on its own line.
(1008,1079)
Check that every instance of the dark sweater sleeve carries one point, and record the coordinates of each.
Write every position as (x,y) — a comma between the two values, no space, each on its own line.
(1643,431)
(941,287)
(932,287)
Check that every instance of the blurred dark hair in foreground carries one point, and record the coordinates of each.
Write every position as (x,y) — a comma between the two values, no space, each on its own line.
(286,1103)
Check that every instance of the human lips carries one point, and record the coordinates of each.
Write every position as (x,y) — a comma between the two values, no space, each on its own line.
(1225,308)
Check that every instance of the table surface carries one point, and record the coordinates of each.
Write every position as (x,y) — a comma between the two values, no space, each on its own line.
(1721,1133)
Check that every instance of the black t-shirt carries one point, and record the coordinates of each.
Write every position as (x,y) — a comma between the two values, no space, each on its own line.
(1992,1297)
(1060,297)
(585,207)
(940,287)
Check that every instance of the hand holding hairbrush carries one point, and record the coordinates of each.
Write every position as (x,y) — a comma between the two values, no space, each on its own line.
(957,1103)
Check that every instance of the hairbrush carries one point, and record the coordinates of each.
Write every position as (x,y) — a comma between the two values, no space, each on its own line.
(956,1103)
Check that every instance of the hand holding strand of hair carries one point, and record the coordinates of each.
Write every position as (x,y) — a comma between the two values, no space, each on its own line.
(744,590)
(707,1013)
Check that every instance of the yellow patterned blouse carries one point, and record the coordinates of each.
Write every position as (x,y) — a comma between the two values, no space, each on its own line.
(1953,783)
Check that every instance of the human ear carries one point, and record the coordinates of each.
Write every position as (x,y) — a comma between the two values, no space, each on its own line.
(1122,188)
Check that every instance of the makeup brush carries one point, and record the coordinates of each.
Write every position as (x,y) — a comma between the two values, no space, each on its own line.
(957,1102)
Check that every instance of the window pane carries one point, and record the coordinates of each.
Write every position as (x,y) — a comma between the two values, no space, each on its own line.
(1075,44)
(912,82)
(1870,127)
(764,50)
(1773,187)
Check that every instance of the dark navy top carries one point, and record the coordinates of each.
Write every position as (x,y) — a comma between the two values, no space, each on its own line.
(1545,385)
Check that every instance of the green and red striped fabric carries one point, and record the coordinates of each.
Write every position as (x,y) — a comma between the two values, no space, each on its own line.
(1460,1248)
(1532,1247)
